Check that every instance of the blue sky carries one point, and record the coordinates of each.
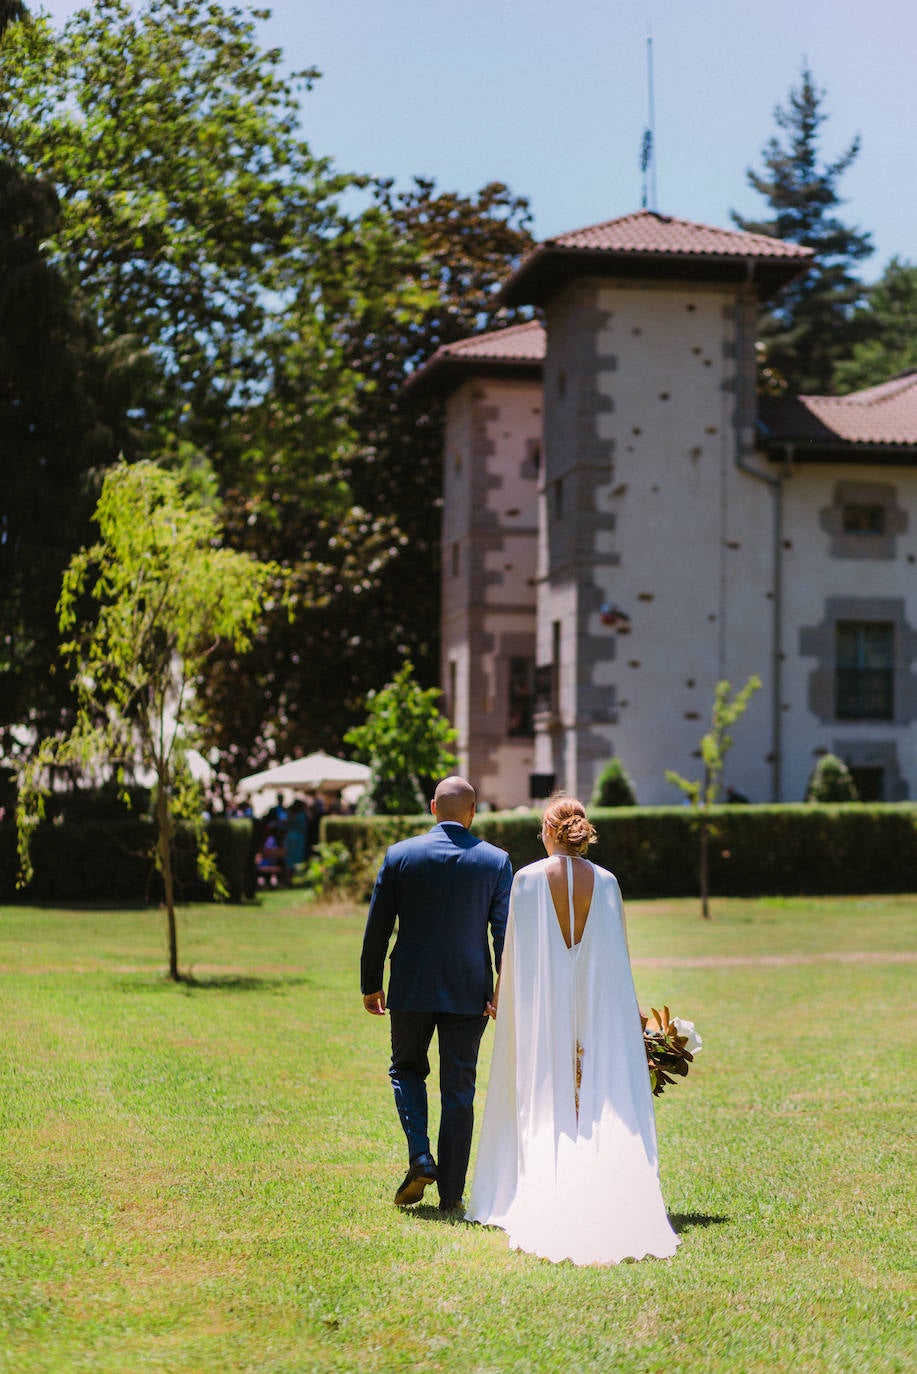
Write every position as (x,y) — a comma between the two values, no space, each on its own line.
(550,97)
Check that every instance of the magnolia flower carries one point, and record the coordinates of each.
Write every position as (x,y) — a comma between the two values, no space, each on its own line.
(686,1028)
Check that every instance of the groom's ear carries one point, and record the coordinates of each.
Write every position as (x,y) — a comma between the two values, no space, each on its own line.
(433,806)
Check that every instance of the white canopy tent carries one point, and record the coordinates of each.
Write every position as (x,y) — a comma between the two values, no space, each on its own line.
(315,773)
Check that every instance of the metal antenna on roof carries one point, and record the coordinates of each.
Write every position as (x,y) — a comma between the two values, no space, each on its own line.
(648,147)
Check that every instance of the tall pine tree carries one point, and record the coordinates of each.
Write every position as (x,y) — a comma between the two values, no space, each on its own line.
(811,328)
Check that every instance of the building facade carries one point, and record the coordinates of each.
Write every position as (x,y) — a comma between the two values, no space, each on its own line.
(625,524)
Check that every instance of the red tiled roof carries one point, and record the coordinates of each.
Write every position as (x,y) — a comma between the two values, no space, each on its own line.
(649,232)
(879,415)
(647,244)
(520,342)
(517,351)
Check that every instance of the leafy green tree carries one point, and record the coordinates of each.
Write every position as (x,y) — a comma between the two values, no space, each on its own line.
(196,219)
(144,607)
(714,746)
(889,321)
(831,782)
(10,12)
(438,285)
(812,326)
(416,269)
(192,206)
(406,742)
(65,400)
(613,786)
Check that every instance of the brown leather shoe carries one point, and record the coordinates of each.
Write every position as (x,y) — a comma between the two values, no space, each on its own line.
(421,1172)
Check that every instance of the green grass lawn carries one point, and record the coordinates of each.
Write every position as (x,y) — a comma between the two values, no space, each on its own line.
(200,1177)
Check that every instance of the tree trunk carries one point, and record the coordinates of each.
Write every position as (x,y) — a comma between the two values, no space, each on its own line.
(704,868)
(165,867)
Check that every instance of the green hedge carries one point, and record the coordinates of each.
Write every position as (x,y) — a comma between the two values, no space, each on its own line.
(95,860)
(800,849)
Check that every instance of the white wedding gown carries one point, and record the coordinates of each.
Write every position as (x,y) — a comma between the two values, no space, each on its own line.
(565,1185)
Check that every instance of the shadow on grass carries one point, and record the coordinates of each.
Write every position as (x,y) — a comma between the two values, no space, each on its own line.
(687,1221)
(429,1211)
(216,982)
(240,982)
(680,1221)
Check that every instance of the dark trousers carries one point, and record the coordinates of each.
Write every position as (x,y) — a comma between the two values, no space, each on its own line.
(459,1039)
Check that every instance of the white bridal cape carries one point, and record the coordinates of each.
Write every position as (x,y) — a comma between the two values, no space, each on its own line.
(565,1185)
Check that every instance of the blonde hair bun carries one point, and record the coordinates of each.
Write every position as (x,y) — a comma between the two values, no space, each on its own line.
(566,818)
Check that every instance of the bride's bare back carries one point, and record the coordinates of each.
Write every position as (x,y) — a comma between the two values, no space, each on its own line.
(583,884)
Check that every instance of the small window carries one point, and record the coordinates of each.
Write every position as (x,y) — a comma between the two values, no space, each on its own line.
(455,560)
(521,698)
(864,672)
(862,519)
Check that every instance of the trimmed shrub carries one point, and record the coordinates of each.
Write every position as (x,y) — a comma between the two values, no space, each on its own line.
(791,850)
(108,861)
(613,787)
(831,782)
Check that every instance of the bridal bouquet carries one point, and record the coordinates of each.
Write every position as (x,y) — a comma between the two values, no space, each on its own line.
(671,1045)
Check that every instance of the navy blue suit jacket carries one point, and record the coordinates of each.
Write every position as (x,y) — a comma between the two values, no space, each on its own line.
(446,888)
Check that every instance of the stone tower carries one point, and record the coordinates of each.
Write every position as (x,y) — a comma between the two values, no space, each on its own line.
(654,580)
(492,390)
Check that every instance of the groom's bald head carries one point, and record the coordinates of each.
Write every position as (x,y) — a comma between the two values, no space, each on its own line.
(454,800)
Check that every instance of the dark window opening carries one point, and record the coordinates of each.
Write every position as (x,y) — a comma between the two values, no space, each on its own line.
(864,672)
(863,519)
(547,678)
(455,560)
(521,698)
(544,676)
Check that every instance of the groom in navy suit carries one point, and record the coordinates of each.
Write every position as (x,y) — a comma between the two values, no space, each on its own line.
(446,888)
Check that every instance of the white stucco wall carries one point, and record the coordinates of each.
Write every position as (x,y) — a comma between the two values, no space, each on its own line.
(690,533)
(493,438)
(815,576)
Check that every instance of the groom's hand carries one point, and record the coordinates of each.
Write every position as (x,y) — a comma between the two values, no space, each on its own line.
(374,1002)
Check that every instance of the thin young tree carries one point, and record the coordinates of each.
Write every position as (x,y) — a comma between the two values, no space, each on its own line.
(811,327)
(702,793)
(143,609)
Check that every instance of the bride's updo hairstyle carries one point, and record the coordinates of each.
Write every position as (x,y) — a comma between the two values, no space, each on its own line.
(566,818)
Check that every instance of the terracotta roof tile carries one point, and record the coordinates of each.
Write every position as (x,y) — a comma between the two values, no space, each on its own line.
(885,414)
(517,351)
(660,247)
(520,342)
(645,231)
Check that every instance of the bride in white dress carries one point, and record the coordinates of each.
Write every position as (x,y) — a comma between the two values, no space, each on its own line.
(567,1163)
